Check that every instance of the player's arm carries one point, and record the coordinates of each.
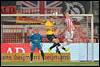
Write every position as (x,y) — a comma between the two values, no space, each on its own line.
(30,39)
(63,31)
(28,33)
(41,38)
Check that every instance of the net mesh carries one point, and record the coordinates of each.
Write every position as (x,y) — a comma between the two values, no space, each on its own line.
(16,32)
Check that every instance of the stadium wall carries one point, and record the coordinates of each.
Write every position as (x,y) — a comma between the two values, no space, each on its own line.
(78,51)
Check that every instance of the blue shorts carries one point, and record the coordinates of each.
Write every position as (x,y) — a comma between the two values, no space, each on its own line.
(36,45)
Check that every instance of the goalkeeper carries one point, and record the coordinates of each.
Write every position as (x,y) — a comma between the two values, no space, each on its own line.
(36,40)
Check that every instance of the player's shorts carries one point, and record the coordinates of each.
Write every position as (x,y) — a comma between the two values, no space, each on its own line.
(69,35)
(36,45)
(51,37)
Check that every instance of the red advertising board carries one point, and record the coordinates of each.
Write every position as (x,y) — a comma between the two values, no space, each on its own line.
(21,52)
(8,9)
(17,48)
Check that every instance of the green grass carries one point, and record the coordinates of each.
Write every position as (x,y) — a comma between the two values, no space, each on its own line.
(50,64)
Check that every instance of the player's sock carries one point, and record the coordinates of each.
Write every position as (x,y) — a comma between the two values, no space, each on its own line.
(49,50)
(66,49)
(42,53)
(63,48)
(31,56)
(57,50)
(53,46)
(58,44)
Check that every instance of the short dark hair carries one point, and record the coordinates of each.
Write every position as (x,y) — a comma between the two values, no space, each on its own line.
(64,12)
(36,29)
(50,17)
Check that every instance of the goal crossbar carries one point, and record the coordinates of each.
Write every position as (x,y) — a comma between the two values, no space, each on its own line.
(45,15)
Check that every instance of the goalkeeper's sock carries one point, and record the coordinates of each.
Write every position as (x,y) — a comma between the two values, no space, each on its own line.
(31,56)
(42,53)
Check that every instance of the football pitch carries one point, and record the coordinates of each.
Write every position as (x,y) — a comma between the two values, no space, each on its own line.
(50,64)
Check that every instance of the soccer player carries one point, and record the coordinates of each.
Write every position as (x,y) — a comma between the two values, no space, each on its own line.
(49,24)
(35,40)
(51,37)
(69,29)
(56,40)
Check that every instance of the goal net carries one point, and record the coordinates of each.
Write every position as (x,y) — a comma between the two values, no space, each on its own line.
(14,28)
(83,24)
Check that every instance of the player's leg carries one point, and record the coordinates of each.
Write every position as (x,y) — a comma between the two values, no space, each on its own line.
(67,40)
(54,45)
(55,41)
(50,38)
(31,57)
(42,54)
(40,48)
(62,46)
(31,53)
(58,45)
(58,51)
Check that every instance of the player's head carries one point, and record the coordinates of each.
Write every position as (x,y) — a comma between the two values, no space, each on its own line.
(65,14)
(36,31)
(50,18)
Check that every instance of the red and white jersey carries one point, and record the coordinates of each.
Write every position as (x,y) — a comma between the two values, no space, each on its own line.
(69,24)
